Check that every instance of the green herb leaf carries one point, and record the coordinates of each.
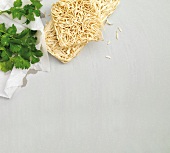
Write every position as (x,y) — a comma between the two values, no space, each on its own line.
(15,41)
(12,30)
(36,3)
(29,11)
(14,48)
(4,56)
(5,40)
(30,16)
(34,60)
(24,33)
(2,28)
(18,3)
(2,48)
(17,49)
(38,53)
(6,66)
(20,62)
(26,53)
(17,13)
(28,7)
(37,13)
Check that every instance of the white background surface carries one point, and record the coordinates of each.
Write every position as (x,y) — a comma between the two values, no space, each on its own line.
(97,105)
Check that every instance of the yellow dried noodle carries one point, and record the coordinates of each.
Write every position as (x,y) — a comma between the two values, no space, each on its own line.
(106,7)
(64,54)
(75,23)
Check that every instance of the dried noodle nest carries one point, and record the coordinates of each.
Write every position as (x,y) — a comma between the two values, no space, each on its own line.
(75,23)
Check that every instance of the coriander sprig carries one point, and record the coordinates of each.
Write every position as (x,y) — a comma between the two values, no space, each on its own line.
(29,11)
(17,49)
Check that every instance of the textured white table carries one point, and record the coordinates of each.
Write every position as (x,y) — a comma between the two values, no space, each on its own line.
(97,105)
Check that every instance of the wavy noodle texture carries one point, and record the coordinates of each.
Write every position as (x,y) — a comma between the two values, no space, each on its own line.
(64,54)
(75,23)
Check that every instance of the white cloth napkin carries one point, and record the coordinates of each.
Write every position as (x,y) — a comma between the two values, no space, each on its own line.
(11,81)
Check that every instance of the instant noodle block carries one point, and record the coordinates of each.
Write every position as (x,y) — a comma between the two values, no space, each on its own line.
(75,23)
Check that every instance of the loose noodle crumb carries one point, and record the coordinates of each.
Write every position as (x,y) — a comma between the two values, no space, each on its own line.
(108,42)
(119,29)
(108,23)
(117,35)
(108,57)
